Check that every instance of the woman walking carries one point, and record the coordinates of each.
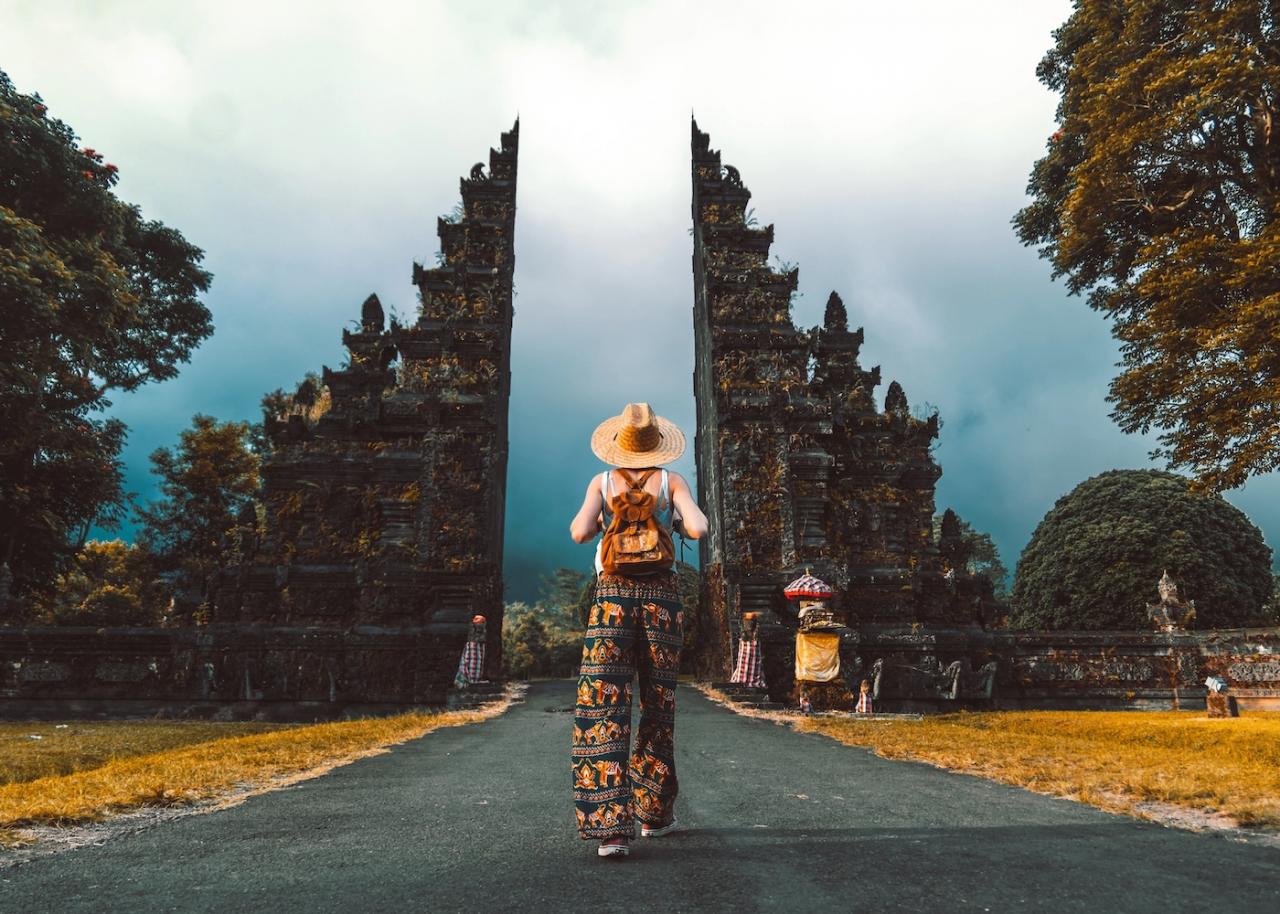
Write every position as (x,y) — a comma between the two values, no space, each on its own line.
(635,629)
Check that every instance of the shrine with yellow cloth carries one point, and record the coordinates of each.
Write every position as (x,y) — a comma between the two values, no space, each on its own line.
(817,656)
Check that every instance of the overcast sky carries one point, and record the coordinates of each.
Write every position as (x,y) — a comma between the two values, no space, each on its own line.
(309,147)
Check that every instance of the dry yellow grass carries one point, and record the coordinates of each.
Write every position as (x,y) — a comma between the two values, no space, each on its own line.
(1115,760)
(188,773)
(65,747)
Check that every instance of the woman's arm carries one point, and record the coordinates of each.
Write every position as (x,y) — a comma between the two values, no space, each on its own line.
(692,519)
(587,522)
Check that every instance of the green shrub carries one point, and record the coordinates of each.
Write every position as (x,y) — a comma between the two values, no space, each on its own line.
(1095,559)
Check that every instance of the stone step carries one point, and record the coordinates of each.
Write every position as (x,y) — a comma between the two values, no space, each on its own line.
(478,693)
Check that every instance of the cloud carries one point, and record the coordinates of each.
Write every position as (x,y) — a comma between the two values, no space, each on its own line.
(308,148)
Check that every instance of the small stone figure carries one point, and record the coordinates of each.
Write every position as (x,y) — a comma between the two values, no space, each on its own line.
(1171,614)
(471,666)
(864,697)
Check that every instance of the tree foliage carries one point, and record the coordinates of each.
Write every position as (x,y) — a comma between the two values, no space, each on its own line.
(310,400)
(1158,197)
(545,638)
(93,298)
(108,582)
(980,554)
(1094,560)
(538,640)
(205,483)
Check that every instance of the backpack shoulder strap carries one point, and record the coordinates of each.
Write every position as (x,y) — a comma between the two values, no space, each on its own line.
(635,483)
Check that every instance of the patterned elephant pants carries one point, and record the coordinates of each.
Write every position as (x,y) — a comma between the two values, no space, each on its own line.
(635,627)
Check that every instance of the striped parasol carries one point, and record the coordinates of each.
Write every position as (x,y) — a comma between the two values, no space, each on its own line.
(807,587)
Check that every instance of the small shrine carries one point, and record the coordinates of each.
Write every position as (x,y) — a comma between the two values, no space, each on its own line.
(821,684)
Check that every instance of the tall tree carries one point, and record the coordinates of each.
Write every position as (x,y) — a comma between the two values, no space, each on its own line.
(980,554)
(566,593)
(1158,197)
(93,298)
(205,482)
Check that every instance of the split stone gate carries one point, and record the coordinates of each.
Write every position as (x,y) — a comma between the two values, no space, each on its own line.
(380,530)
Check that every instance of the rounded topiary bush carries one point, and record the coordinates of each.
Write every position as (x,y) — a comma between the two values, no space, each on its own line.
(1094,560)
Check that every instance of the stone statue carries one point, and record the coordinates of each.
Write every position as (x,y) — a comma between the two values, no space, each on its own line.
(895,400)
(1171,614)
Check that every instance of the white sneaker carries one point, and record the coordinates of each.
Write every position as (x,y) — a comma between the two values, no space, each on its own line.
(614,850)
(649,831)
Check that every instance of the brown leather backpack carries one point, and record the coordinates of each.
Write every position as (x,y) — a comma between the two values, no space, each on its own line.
(635,543)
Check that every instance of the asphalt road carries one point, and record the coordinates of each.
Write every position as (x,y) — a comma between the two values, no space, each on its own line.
(479,818)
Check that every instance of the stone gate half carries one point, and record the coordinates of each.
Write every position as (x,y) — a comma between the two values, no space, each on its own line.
(383,494)
(797,465)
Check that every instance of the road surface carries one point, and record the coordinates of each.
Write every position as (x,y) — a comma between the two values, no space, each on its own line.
(479,818)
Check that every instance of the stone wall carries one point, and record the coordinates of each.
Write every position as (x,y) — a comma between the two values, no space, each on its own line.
(315,673)
(939,668)
(253,671)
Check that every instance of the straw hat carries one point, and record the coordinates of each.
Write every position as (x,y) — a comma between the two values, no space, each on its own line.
(637,438)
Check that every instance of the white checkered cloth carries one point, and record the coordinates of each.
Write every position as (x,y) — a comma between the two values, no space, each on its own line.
(471,666)
(749,671)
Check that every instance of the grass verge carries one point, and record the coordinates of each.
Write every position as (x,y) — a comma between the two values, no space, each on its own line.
(39,750)
(191,773)
(1138,762)
(1116,760)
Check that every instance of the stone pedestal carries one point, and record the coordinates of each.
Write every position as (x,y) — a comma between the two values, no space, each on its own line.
(1220,704)
(816,664)
(826,696)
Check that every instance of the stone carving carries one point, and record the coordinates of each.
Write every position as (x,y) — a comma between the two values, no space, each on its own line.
(969,683)
(43,671)
(928,679)
(372,319)
(1258,671)
(125,671)
(1171,614)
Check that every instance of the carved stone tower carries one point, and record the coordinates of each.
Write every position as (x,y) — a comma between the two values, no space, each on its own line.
(384,491)
(796,465)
